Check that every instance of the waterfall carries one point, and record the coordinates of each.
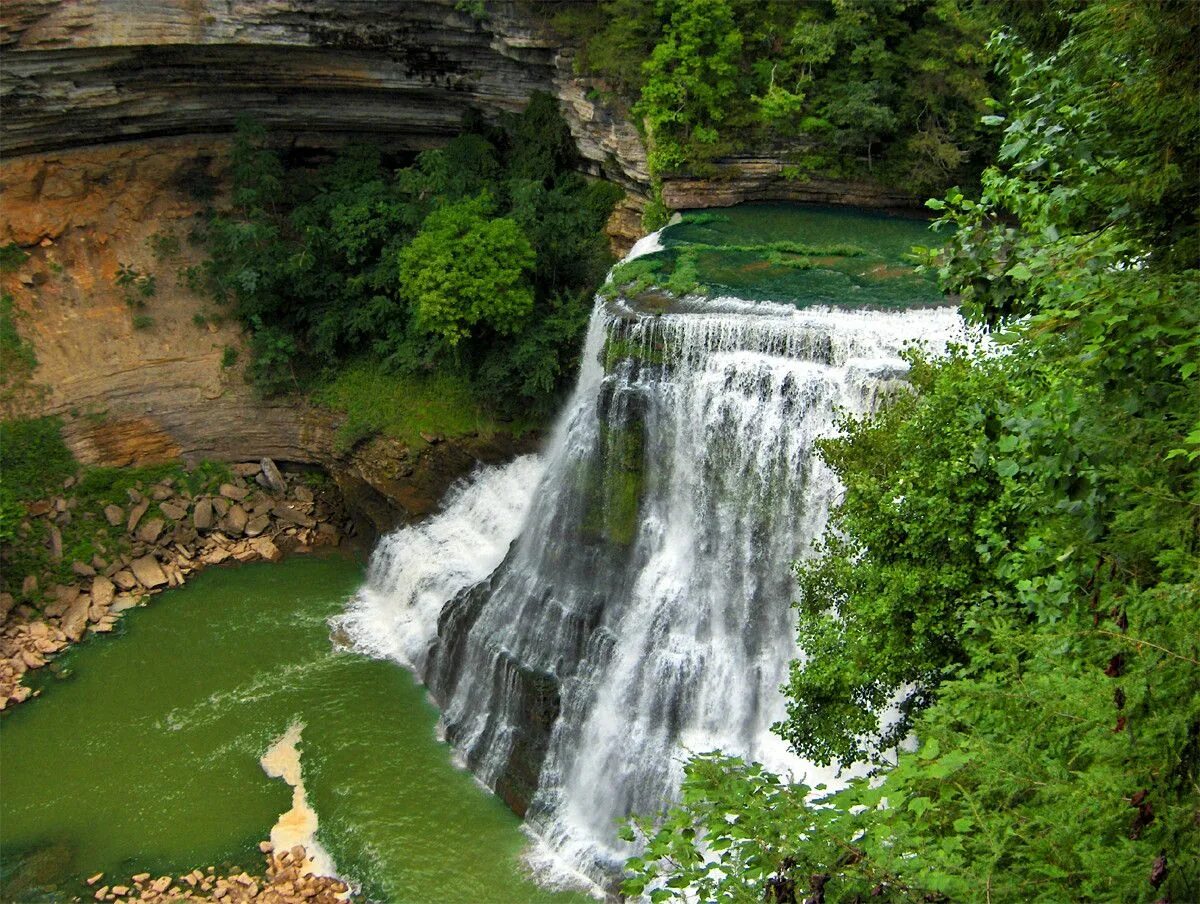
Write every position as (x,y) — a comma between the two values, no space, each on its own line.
(586,619)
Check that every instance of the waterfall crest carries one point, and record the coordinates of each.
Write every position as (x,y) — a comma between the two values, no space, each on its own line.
(586,619)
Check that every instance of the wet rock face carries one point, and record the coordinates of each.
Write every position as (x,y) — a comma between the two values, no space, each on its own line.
(401,71)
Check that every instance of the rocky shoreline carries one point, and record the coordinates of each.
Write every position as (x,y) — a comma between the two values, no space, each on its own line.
(259,514)
(287,879)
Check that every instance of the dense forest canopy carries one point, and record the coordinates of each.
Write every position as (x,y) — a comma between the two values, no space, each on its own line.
(1012,576)
(479,260)
(890,89)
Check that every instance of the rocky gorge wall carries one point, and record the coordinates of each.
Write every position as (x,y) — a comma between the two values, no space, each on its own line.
(402,72)
(113,110)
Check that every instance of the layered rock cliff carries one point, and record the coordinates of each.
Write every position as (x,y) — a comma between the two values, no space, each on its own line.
(402,72)
(163,379)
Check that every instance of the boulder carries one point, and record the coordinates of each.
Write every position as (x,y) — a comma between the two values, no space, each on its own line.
(160,491)
(39,508)
(103,591)
(124,601)
(215,556)
(29,586)
(135,515)
(98,563)
(220,505)
(64,597)
(246,468)
(271,478)
(266,549)
(173,510)
(114,514)
(125,579)
(202,517)
(6,605)
(257,525)
(234,522)
(83,569)
(75,619)
(150,531)
(303,493)
(327,535)
(293,515)
(236,493)
(56,544)
(148,572)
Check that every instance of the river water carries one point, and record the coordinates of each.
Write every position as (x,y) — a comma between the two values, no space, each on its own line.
(145,755)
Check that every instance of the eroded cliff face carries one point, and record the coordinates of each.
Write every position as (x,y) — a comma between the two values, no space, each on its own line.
(320,72)
(402,72)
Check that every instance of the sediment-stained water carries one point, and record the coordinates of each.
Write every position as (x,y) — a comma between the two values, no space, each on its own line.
(145,754)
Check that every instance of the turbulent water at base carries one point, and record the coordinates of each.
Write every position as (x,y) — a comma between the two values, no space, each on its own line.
(642,609)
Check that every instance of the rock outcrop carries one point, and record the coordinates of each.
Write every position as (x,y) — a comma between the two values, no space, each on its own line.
(320,72)
(288,878)
(402,72)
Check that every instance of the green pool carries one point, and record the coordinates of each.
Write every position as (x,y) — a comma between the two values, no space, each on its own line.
(822,255)
(144,754)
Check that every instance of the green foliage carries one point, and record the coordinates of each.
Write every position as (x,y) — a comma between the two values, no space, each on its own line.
(476,9)
(615,38)
(691,83)
(470,261)
(1014,564)
(464,269)
(890,88)
(229,357)
(142,321)
(376,400)
(163,245)
(12,256)
(35,459)
(136,287)
(17,355)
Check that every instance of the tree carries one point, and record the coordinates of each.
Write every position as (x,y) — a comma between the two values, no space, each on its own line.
(691,82)
(464,270)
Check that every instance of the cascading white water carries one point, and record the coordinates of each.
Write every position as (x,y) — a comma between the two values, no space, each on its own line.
(643,608)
